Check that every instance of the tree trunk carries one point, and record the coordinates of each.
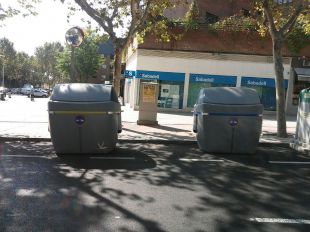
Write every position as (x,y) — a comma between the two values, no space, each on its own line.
(117,70)
(280,89)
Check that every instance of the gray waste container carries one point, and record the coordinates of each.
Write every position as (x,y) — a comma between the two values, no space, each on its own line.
(302,135)
(84,118)
(228,120)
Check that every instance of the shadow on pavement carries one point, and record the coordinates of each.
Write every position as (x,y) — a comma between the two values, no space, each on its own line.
(169,128)
(225,193)
(47,194)
(156,135)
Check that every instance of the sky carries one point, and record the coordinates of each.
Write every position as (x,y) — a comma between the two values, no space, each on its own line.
(50,25)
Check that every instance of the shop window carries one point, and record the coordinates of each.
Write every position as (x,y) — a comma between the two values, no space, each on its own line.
(170,94)
(194,89)
(267,96)
(298,86)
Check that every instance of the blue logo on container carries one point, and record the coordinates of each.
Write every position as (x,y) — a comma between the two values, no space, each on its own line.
(233,122)
(79,120)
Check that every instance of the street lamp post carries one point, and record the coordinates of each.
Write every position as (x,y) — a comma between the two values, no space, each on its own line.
(2,70)
(3,73)
(74,38)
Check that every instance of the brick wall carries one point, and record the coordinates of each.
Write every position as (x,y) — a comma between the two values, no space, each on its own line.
(203,40)
(224,9)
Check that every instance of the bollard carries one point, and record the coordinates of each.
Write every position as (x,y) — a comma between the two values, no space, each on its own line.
(9,94)
(2,97)
(31,97)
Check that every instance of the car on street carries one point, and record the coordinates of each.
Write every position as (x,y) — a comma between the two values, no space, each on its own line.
(40,93)
(27,88)
(3,91)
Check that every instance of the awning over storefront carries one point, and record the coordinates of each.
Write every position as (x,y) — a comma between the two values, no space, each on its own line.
(303,74)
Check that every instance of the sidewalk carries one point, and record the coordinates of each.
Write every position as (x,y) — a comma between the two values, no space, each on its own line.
(178,127)
(173,127)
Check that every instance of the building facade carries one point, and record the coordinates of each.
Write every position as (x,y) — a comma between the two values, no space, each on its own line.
(202,59)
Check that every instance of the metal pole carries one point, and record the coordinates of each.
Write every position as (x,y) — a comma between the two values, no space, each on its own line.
(72,67)
(2,69)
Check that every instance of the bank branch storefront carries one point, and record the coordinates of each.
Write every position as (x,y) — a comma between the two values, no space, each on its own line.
(171,86)
(266,89)
(173,94)
(181,75)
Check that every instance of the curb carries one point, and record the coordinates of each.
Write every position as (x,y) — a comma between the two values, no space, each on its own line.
(24,139)
(143,141)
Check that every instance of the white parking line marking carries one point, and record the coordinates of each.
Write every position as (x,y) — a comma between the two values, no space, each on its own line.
(288,162)
(24,156)
(199,160)
(115,158)
(280,220)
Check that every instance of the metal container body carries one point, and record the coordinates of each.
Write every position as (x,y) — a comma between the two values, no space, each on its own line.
(303,119)
(228,128)
(86,123)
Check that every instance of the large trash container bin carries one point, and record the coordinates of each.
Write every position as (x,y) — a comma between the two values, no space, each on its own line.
(228,120)
(84,118)
(302,135)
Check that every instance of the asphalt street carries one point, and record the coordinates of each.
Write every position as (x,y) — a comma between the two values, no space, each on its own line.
(153,187)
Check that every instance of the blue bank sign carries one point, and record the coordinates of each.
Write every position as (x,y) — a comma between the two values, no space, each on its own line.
(166,76)
(130,74)
(263,82)
(214,79)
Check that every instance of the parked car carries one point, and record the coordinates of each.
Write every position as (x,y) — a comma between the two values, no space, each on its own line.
(40,93)
(3,91)
(26,90)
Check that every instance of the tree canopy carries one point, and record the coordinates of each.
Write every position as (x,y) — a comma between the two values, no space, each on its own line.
(23,7)
(87,58)
(122,20)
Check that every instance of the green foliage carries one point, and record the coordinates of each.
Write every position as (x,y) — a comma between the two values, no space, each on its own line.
(21,7)
(299,37)
(235,23)
(45,60)
(87,58)
(192,17)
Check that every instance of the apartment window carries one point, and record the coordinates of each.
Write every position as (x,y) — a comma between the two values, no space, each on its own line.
(211,18)
(245,12)
(283,1)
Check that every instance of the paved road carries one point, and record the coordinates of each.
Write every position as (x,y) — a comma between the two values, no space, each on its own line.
(153,187)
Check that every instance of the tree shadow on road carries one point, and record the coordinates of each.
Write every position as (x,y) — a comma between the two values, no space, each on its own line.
(227,194)
(45,193)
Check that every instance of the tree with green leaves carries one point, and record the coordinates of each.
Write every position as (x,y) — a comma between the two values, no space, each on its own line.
(280,19)
(87,58)
(122,20)
(288,24)
(192,17)
(46,61)
(21,7)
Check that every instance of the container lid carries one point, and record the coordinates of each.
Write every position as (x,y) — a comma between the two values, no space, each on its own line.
(82,92)
(228,95)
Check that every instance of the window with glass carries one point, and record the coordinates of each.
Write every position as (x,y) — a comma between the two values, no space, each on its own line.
(170,94)
(195,87)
